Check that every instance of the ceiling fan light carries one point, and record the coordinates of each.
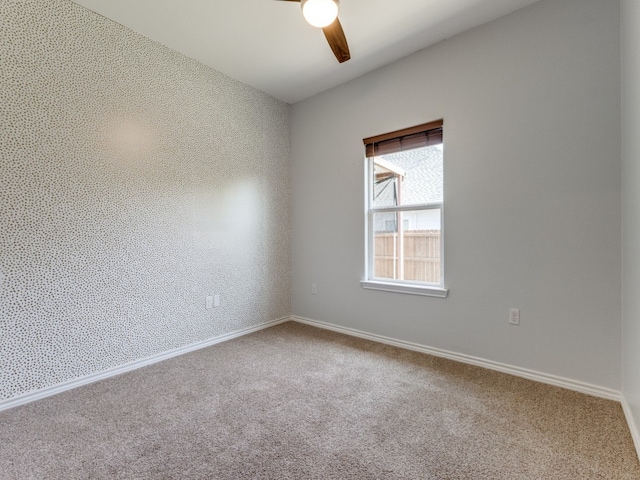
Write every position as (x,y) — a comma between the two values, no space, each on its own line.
(320,13)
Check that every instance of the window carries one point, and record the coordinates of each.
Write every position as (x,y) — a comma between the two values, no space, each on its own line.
(405,211)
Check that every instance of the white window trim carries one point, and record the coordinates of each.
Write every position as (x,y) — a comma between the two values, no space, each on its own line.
(397,286)
(409,288)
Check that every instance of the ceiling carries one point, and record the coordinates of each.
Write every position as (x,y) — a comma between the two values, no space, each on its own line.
(267,44)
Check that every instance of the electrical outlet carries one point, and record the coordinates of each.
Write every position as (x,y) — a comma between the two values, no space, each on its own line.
(314,289)
(216,300)
(514,316)
(209,302)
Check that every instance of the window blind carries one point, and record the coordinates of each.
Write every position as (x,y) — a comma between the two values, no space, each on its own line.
(407,139)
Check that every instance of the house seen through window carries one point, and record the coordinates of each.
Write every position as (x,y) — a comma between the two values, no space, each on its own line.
(404,211)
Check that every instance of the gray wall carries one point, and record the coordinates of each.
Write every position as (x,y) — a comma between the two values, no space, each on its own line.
(531,104)
(631,209)
(133,183)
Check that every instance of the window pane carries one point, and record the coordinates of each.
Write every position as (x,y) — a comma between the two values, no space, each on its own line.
(410,177)
(413,253)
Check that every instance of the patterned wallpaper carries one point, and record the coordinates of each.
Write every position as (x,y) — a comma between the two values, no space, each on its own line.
(133,182)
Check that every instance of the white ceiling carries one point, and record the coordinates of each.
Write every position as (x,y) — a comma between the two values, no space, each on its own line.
(267,44)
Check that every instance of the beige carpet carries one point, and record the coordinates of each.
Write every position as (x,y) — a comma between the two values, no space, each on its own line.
(295,402)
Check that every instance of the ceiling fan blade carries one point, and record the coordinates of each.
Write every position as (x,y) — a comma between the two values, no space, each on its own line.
(337,41)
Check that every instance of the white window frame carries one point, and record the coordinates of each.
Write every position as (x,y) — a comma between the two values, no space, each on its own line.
(391,285)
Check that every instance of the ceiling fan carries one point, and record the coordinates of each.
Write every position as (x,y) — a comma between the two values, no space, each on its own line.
(324,14)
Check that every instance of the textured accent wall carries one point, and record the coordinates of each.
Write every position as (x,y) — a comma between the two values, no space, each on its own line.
(133,182)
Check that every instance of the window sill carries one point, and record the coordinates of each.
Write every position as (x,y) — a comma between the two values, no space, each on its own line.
(425,290)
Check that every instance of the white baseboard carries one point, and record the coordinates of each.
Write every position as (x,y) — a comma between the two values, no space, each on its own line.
(633,425)
(582,387)
(554,380)
(112,372)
